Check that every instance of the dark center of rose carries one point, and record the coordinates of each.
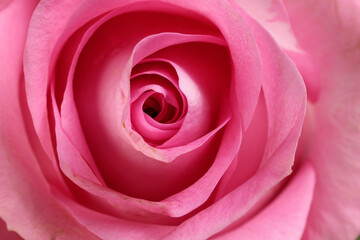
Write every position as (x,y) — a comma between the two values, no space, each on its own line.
(158,109)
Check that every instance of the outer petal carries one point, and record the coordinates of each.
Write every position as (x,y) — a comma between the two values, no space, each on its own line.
(272,15)
(285,217)
(331,33)
(26,203)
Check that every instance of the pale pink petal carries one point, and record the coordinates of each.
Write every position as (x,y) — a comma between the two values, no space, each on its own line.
(309,71)
(273,17)
(331,34)
(285,217)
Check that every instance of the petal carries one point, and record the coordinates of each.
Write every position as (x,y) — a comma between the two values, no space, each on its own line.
(250,154)
(137,171)
(108,227)
(285,217)
(243,53)
(5,233)
(48,34)
(330,32)
(272,15)
(168,172)
(285,99)
(26,202)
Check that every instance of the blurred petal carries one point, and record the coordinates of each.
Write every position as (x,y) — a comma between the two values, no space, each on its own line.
(272,15)
(330,32)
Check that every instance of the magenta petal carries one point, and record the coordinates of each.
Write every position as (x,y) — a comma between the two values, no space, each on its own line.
(163,68)
(7,234)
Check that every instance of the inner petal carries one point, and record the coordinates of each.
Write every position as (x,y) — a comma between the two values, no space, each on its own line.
(154,105)
(150,133)
(101,101)
(158,109)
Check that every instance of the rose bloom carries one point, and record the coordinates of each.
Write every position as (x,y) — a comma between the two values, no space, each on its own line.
(180,119)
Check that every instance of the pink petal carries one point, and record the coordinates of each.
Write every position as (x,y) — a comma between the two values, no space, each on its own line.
(148,132)
(108,227)
(331,34)
(141,179)
(6,233)
(285,99)
(285,217)
(54,30)
(243,50)
(27,205)
(206,95)
(169,176)
(251,152)
(272,15)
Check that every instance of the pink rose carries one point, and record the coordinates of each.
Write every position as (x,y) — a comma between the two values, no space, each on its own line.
(174,119)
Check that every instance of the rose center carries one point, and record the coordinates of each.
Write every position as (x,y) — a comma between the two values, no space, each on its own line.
(157,108)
